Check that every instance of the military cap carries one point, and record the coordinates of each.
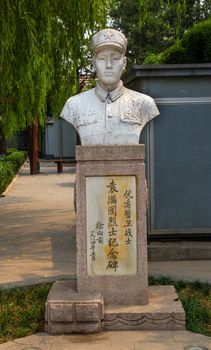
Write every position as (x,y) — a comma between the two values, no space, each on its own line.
(109,37)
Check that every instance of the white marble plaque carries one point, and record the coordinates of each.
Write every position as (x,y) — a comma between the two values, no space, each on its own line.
(111,225)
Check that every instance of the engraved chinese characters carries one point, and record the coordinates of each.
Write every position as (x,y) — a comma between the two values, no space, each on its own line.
(111,225)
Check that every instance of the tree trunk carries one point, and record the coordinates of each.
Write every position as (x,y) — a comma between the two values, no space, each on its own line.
(2,141)
(33,148)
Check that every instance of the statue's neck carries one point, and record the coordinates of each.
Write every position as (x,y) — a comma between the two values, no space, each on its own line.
(110,87)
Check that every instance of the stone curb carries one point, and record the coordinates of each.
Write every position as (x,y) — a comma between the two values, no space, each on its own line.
(50,279)
(37,281)
(13,180)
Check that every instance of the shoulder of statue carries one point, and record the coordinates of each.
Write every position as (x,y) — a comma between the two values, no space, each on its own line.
(138,96)
(76,110)
(142,107)
(79,98)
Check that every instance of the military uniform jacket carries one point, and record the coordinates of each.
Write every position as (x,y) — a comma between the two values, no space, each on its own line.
(116,117)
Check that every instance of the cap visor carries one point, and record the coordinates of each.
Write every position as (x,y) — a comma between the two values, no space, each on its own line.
(109,44)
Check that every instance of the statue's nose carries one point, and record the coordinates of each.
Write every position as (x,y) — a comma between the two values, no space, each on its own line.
(108,63)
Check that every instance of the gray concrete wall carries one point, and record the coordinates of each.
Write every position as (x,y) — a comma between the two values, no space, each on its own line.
(60,140)
(178,147)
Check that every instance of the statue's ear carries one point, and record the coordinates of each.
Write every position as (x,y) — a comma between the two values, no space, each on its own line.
(93,63)
(125,62)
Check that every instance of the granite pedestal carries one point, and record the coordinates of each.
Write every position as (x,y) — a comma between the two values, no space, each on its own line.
(111,291)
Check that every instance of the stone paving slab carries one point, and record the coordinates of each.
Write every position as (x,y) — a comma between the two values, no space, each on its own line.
(124,340)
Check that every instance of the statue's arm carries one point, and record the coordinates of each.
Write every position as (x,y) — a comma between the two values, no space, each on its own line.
(149,110)
(68,112)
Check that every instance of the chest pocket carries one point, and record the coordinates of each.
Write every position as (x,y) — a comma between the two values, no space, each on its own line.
(85,119)
(131,117)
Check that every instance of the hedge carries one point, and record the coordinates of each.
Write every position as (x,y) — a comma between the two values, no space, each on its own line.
(9,167)
(194,47)
(197,42)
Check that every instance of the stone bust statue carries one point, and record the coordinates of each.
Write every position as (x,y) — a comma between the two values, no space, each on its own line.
(109,113)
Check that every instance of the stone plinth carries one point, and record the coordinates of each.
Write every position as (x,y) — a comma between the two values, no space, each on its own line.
(111,291)
(111,223)
(164,312)
(70,312)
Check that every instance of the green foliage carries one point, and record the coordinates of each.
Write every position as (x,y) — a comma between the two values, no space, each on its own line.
(152,59)
(197,43)
(174,54)
(6,174)
(42,46)
(9,166)
(151,26)
(22,311)
(173,11)
(194,47)
(141,24)
(195,310)
(11,150)
(16,158)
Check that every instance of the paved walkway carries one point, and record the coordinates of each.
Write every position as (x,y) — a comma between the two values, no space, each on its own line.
(37,235)
(37,227)
(131,340)
(37,232)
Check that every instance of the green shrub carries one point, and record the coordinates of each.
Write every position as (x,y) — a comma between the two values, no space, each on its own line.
(197,43)
(17,158)
(9,166)
(6,174)
(11,150)
(175,54)
(194,47)
(153,59)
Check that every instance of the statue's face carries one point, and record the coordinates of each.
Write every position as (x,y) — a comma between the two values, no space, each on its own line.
(109,63)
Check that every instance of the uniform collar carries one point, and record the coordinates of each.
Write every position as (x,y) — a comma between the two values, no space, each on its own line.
(114,94)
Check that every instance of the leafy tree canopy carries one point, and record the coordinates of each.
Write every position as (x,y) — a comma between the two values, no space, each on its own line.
(194,47)
(153,25)
(42,45)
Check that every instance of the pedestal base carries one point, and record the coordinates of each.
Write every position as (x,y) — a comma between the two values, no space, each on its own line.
(164,312)
(67,311)
(70,312)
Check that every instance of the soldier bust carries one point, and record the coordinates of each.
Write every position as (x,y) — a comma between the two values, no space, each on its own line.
(109,113)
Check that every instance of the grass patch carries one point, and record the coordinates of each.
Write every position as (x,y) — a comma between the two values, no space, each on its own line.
(22,310)
(196,300)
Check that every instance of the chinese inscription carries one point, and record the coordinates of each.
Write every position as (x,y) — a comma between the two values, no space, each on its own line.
(111,225)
